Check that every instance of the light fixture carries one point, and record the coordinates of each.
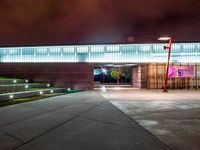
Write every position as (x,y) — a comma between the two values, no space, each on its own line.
(169,47)
(103,89)
(11,96)
(104,71)
(164,38)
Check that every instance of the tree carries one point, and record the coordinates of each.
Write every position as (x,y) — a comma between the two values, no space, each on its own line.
(126,73)
(113,73)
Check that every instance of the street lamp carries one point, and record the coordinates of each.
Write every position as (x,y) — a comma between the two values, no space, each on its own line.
(118,75)
(169,47)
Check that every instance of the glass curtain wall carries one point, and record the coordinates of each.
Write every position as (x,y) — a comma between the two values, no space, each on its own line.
(111,53)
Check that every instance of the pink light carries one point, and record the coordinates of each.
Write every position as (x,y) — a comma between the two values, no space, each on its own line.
(164,38)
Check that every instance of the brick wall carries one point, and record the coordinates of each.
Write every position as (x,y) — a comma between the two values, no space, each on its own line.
(139,76)
(73,75)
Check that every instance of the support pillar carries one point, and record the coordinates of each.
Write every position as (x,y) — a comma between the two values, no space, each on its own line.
(139,76)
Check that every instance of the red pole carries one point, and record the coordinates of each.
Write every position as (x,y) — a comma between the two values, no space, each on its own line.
(169,54)
(118,76)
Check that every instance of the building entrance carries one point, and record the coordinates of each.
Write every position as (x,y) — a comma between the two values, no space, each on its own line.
(113,74)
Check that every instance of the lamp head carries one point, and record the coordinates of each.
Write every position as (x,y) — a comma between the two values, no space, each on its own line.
(166,47)
(164,38)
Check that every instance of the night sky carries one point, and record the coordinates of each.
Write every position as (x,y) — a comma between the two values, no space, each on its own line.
(24,22)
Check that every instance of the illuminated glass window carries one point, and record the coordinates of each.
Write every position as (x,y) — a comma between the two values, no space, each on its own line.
(113,49)
(69,49)
(41,50)
(27,51)
(55,50)
(82,49)
(141,53)
(97,48)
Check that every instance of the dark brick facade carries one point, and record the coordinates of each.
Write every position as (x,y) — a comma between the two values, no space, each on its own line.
(139,76)
(73,75)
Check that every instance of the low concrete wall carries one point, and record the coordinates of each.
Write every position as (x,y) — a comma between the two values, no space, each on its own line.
(6,97)
(21,86)
(11,81)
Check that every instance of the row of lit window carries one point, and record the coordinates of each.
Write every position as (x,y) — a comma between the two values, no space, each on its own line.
(99,48)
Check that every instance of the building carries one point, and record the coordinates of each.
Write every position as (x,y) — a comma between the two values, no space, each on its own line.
(72,65)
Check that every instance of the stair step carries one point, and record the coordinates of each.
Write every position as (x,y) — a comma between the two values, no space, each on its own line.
(14,87)
(12,81)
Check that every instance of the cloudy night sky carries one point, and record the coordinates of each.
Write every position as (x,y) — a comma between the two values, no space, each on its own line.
(97,21)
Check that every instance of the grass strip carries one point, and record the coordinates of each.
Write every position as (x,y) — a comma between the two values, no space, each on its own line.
(72,91)
(3,78)
(29,99)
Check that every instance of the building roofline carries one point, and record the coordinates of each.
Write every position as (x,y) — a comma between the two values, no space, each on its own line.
(82,44)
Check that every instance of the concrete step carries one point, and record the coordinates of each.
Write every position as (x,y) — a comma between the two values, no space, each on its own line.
(113,86)
(22,86)
(26,94)
(12,81)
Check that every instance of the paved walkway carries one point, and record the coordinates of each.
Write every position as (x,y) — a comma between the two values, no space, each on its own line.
(172,117)
(81,121)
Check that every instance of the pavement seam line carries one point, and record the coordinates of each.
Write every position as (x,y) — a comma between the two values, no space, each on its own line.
(111,123)
(21,120)
(45,111)
(24,104)
(144,128)
(57,126)
(8,134)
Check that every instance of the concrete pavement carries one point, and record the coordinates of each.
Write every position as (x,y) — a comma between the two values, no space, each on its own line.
(172,117)
(78,121)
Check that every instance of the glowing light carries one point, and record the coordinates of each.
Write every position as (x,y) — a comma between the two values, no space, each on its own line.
(48,85)
(11,96)
(104,71)
(51,91)
(26,86)
(97,72)
(15,81)
(69,89)
(41,92)
(26,81)
(164,38)
(109,65)
(103,89)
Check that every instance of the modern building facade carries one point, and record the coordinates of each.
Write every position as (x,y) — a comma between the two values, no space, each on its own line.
(72,65)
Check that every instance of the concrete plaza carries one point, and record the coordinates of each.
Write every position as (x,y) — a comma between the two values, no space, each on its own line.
(172,117)
(78,121)
(149,120)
